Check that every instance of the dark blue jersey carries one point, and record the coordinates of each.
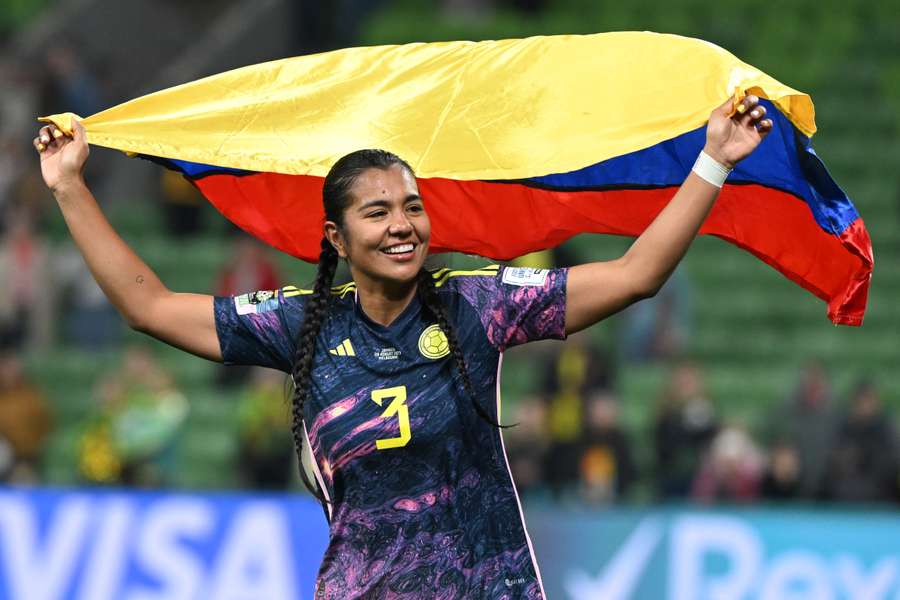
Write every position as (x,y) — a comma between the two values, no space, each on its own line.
(422,500)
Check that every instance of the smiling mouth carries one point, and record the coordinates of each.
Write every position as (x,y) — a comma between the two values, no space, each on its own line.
(399,249)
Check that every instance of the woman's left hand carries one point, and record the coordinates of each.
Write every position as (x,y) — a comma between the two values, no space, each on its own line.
(731,139)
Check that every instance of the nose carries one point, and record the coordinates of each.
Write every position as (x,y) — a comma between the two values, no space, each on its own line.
(400,226)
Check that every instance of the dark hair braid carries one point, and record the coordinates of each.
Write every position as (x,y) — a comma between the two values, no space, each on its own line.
(431,301)
(336,197)
(316,313)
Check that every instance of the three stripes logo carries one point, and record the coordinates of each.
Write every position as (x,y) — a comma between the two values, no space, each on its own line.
(344,349)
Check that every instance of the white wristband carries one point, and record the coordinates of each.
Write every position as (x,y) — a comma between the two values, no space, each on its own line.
(710,169)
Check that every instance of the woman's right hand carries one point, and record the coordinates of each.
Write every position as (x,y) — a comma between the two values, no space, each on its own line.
(62,157)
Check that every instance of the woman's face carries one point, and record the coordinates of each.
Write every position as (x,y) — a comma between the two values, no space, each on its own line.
(386,229)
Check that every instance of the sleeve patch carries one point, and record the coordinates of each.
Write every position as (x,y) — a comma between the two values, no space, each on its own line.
(256,302)
(525,276)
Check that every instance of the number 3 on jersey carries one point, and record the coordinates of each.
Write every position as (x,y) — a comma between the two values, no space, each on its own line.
(396,407)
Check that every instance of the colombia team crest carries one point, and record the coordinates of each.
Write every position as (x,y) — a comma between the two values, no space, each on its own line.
(433,343)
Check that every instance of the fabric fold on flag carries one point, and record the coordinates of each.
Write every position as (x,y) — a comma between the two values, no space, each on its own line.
(518,145)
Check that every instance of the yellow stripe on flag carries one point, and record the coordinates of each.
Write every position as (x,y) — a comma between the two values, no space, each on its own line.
(504,109)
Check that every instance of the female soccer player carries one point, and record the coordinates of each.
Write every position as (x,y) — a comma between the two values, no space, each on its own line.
(396,373)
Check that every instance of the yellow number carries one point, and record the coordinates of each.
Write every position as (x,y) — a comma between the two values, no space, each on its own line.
(394,408)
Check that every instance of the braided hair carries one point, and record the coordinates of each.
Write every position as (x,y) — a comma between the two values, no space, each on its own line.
(316,311)
(336,198)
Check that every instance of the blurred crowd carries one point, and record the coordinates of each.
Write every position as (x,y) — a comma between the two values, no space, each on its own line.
(571,443)
(36,275)
(49,299)
(30,270)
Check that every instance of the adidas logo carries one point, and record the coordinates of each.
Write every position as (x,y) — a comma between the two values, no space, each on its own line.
(344,349)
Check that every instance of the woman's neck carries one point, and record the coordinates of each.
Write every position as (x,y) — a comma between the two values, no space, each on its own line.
(383,301)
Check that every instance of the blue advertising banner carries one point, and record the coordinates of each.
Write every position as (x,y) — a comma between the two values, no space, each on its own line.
(90,545)
(687,554)
(87,545)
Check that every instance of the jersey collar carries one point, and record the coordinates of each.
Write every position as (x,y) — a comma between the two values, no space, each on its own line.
(408,313)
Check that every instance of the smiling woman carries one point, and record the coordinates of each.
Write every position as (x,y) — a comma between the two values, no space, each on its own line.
(396,374)
(375,220)
(384,233)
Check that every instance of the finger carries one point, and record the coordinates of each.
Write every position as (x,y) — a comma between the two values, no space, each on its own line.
(53,139)
(763,128)
(38,144)
(44,134)
(56,132)
(77,130)
(51,135)
(748,103)
(758,112)
(751,115)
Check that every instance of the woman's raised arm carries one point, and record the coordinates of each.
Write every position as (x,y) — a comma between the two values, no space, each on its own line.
(182,320)
(597,290)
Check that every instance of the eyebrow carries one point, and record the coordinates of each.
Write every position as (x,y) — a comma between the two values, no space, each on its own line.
(385,203)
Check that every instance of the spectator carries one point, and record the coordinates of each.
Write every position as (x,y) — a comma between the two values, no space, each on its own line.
(266,446)
(606,466)
(25,296)
(732,469)
(579,369)
(527,444)
(782,478)
(808,422)
(25,422)
(130,441)
(863,466)
(685,425)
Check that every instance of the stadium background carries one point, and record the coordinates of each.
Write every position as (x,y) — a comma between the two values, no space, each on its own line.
(730,346)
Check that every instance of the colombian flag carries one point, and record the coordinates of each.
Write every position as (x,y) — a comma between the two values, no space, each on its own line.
(518,145)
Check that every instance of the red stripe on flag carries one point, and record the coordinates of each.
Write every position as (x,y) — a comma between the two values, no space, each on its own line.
(504,220)
(285,211)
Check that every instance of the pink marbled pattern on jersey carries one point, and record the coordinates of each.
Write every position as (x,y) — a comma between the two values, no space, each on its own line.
(514,314)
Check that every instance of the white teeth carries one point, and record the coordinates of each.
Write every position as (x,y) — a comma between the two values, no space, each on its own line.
(399,249)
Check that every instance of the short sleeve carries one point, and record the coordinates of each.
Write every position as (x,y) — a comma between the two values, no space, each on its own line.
(256,328)
(518,305)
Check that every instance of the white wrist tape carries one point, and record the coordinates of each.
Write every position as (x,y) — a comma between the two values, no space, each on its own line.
(710,169)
